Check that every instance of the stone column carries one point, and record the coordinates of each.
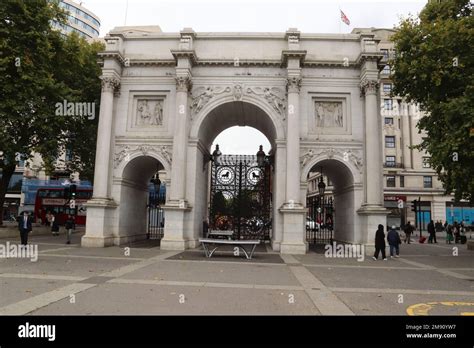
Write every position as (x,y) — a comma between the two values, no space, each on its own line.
(373,145)
(100,207)
(177,207)
(180,140)
(293,212)
(293,142)
(372,212)
(294,228)
(104,136)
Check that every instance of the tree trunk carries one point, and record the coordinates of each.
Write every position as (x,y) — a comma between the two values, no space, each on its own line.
(7,174)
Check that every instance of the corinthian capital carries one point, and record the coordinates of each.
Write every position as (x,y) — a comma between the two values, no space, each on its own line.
(110,83)
(293,84)
(183,83)
(369,87)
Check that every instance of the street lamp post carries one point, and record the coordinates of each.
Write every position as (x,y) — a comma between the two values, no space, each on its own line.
(321,188)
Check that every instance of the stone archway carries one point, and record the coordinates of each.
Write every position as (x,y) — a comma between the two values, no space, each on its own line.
(217,116)
(195,88)
(343,168)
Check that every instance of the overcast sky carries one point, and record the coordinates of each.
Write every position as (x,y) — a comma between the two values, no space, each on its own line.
(314,16)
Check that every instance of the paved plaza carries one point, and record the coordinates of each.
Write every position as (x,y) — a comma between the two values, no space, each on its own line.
(142,279)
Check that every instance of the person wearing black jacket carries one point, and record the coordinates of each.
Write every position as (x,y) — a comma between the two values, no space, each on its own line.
(432,232)
(69,225)
(380,243)
(25,226)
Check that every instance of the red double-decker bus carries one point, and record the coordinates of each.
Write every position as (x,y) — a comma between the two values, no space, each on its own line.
(53,200)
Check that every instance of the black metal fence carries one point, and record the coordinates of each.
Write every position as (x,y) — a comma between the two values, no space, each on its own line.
(156,215)
(320,220)
(240,197)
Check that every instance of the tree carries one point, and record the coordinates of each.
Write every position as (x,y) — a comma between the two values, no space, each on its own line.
(434,66)
(39,68)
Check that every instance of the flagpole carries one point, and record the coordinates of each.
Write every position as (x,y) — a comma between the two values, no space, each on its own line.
(340,20)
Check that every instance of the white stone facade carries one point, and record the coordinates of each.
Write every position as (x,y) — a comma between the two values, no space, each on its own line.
(166,96)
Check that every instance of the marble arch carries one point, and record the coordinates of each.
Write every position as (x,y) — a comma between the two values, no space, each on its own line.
(314,103)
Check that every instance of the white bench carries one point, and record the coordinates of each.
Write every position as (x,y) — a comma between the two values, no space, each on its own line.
(238,243)
(221,233)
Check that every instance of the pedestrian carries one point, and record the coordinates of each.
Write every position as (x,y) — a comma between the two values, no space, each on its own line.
(446,225)
(456,232)
(449,234)
(394,242)
(408,231)
(432,232)
(25,227)
(69,225)
(54,225)
(380,243)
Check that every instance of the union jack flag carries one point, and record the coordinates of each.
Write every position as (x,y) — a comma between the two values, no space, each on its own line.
(344,18)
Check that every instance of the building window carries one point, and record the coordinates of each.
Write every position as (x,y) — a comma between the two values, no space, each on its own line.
(389,141)
(387,87)
(426,162)
(16,181)
(390,181)
(386,70)
(388,120)
(384,51)
(427,182)
(402,181)
(387,104)
(390,161)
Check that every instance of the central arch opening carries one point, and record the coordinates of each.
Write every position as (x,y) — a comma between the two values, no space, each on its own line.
(236,190)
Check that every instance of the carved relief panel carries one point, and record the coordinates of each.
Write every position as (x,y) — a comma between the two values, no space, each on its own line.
(148,112)
(329,115)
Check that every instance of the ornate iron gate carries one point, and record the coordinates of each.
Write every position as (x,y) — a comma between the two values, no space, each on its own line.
(156,215)
(320,220)
(240,197)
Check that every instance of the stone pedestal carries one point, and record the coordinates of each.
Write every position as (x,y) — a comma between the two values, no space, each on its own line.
(294,227)
(99,223)
(370,218)
(174,237)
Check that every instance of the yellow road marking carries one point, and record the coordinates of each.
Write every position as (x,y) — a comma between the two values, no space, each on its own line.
(424,308)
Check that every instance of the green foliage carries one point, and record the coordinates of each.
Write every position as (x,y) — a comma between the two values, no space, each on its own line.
(434,67)
(40,67)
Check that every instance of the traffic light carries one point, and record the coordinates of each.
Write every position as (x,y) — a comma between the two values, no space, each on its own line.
(67,192)
(72,191)
(414,205)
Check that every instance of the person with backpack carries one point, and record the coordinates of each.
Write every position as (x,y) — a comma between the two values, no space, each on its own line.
(379,243)
(394,242)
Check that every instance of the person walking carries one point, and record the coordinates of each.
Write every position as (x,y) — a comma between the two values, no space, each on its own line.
(408,231)
(379,243)
(449,234)
(69,225)
(432,232)
(394,242)
(54,225)
(25,227)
